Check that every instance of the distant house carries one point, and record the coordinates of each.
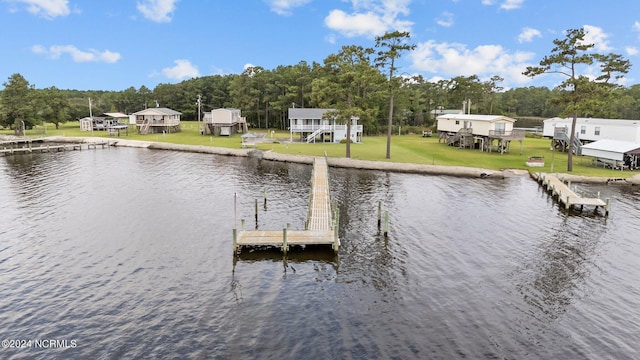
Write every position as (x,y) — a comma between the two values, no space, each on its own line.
(478,131)
(309,126)
(156,120)
(593,129)
(615,154)
(225,121)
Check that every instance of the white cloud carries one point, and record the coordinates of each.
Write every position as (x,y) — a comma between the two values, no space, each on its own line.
(445,19)
(284,7)
(157,10)
(91,55)
(506,5)
(631,50)
(594,35)
(370,18)
(453,59)
(636,26)
(181,71)
(511,4)
(528,34)
(47,9)
(331,38)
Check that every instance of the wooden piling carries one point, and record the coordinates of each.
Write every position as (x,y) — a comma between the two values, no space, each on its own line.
(379,214)
(386,223)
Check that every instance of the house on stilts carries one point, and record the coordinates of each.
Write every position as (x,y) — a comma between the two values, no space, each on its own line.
(484,132)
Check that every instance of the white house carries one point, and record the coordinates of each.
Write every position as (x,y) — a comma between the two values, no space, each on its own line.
(153,120)
(225,121)
(482,125)
(593,129)
(614,153)
(311,127)
(478,131)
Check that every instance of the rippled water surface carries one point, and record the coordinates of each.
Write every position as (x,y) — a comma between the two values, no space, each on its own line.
(127,253)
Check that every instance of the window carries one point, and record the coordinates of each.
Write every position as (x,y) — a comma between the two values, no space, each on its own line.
(597,131)
(457,122)
(583,129)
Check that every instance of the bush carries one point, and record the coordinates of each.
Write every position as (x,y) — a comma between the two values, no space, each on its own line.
(344,141)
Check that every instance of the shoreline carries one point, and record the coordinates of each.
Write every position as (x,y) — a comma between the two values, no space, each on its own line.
(460,171)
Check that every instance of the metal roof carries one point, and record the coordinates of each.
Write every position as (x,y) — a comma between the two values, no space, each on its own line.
(157,111)
(596,121)
(115,115)
(307,113)
(617,146)
(476,117)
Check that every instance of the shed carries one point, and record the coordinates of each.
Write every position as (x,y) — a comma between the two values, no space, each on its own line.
(614,153)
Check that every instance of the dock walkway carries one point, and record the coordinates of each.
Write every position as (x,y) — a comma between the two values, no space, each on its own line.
(26,146)
(321,225)
(568,197)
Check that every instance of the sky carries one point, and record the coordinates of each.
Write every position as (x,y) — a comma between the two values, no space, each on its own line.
(117,44)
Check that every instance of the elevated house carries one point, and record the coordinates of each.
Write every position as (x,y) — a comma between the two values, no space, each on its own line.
(310,126)
(591,129)
(156,120)
(478,131)
(614,154)
(224,121)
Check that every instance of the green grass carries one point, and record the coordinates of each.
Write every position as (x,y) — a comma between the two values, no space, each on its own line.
(404,148)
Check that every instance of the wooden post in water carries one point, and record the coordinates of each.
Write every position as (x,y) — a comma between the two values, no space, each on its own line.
(607,206)
(285,246)
(235,219)
(386,223)
(235,240)
(379,214)
(256,213)
(265,199)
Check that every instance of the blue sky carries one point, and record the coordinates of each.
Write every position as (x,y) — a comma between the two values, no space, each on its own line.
(113,45)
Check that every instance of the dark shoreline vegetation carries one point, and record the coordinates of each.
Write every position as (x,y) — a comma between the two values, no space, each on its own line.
(411,152)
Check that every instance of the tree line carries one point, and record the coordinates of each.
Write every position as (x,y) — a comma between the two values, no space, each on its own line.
(357,80)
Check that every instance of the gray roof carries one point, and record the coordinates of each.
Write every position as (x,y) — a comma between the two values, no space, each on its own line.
(157,111)
(617,146)
(307,113)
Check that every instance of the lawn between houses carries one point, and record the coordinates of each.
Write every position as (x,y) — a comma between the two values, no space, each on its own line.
(411,148)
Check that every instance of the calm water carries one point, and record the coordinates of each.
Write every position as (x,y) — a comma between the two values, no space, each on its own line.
(127,253)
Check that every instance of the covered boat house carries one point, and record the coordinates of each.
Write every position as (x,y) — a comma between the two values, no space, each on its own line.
(614,154)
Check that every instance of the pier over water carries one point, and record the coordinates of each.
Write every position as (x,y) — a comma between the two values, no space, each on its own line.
(321,225)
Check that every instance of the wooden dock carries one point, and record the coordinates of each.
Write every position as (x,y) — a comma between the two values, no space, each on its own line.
(26,146)
(567,197)
(321,225)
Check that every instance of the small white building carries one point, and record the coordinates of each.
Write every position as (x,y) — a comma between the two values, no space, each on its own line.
(593,129)
(225,121)
(310,126)
(614,153)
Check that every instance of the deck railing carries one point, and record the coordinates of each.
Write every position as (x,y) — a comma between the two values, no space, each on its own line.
(313,128)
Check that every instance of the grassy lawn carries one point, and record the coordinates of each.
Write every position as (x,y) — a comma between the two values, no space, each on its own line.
(404,148)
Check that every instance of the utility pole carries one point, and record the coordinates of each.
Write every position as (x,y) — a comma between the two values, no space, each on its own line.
(199,102)
(91,116)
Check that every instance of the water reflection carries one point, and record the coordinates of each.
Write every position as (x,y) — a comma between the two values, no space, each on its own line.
(567,256)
